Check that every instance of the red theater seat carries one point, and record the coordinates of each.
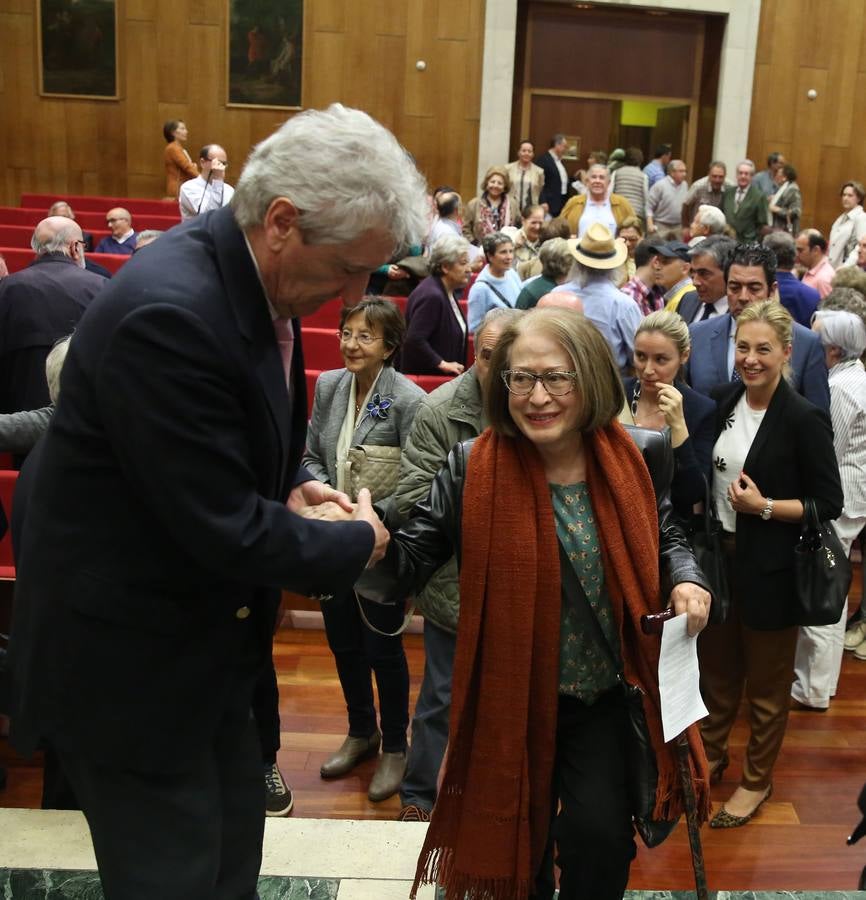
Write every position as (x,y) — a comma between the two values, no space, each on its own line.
(326,316)
(87,203)
(7,488)
(312,378)
(20,235)
(17,259)
(321,348)
(430,382)
(89,221)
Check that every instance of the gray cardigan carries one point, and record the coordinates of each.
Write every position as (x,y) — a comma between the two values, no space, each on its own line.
(329,411)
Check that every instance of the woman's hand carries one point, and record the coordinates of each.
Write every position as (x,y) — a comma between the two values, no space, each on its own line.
(328,512)
(691,599)
(450,368)
(395,273)
(670,402)
(745,497)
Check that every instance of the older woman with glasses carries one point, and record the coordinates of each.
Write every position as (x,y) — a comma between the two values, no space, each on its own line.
(365,403)
(556,571)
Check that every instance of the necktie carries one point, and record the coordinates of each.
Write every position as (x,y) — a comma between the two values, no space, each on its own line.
(286,343)
(708,311)
(735,375)
(739,199)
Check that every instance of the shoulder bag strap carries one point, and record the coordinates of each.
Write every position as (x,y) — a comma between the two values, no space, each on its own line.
(498,293)
(406,619)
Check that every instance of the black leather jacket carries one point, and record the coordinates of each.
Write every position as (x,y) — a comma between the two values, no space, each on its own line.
(432,534)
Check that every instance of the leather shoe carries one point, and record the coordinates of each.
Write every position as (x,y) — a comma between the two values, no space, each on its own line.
(389,775)
(353,751)
(724,819)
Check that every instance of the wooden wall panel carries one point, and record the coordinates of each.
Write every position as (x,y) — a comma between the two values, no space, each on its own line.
(173,66)
(805,45)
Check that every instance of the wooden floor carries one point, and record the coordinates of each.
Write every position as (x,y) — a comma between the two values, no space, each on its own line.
(796,843)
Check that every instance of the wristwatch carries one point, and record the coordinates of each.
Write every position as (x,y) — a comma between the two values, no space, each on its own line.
(767,511)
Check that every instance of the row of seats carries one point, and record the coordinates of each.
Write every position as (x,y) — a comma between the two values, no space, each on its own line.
(89,203)
(17,259)
(20,235)
(89,221)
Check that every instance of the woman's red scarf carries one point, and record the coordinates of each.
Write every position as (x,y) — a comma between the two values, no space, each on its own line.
(491,821)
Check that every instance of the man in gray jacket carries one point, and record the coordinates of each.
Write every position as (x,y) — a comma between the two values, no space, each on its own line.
(450,414)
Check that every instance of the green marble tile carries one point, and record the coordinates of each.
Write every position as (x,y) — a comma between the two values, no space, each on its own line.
(57,884)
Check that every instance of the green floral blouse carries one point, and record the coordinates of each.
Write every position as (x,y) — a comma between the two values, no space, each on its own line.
(585,668)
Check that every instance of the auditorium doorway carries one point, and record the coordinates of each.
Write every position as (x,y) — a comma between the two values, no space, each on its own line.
(609,78)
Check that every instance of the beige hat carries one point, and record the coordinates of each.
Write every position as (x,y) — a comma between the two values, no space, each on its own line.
(598,249)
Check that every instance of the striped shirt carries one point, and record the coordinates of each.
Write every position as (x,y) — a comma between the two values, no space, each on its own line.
(848,414)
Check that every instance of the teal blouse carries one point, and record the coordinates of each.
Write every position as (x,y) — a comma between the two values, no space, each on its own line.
(585,668)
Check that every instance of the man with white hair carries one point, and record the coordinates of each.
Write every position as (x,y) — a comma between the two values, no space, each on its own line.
(145,625)
(708,220)
(208,191)
(39,305)
(744,205)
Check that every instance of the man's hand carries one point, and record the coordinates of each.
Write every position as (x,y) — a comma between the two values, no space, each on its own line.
(694,601)
(364,513)
(327,512)
(217,170)
(312,493)
(450,368)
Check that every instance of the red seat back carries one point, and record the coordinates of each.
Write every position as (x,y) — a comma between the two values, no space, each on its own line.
(321,348)
(430,382)
(312,378)
(7,488)
(84,203)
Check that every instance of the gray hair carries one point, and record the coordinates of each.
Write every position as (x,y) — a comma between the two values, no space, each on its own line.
(601,166)
(343,172)
(583,275)
(844,330)
(555,258)
(145,237)
(53,364)
(58,242)
(497,314)
(845,299)
(493,241)
(446,251)
(717,246)
(712,217)
(783,245)
(747,162)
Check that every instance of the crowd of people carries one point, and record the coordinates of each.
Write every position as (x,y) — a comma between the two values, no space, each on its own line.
(639,345)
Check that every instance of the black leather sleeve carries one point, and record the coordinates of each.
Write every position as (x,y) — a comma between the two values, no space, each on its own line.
(427,541)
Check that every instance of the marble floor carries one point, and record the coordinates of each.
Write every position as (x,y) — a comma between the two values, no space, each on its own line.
(47,854)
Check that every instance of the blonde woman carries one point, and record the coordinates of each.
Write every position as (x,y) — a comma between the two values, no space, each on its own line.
(773,448)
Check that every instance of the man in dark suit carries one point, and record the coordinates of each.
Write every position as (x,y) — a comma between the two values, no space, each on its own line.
(39,305)
(555,178)
(750,276)
(799,299)
(165,510)
(744,205)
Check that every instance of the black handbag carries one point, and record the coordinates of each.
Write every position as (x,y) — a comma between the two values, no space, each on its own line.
(822,573)
(642,774)
(705,537)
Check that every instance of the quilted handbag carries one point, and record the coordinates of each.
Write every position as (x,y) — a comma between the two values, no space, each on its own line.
(372,467)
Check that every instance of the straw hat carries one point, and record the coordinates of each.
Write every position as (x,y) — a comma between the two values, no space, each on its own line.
(597,249)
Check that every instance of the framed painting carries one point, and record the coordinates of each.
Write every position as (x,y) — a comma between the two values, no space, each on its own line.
(77,48)
(265,53)
(572,147)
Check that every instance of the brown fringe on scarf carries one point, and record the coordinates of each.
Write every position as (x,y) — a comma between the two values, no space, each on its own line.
(489,827)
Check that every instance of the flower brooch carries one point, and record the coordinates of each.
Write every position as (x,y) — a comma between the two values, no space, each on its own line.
(378,407)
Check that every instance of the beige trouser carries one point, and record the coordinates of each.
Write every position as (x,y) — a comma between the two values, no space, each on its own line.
(734,660)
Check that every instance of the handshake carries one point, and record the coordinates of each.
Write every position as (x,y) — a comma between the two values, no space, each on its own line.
(315,500)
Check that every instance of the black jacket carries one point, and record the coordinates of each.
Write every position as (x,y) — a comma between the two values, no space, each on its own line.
(791,457)
(432,534)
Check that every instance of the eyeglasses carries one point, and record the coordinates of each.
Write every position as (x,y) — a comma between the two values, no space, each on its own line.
(521,383)
(79,244)
(364,338)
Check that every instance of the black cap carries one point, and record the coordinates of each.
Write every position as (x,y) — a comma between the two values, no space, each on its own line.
(675,250)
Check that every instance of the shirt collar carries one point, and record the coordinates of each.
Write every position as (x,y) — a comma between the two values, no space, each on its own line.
(126,237)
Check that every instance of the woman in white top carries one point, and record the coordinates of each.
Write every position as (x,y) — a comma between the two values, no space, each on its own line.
(773,448)
(819,649)
(849,227)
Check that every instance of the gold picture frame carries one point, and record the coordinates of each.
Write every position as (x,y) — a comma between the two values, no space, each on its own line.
(572,147)
(264,53)
(77,49)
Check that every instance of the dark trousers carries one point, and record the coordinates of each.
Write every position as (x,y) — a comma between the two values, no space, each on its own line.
(430,722)
(592,831)
(266,712)
(192,835)
(358,651)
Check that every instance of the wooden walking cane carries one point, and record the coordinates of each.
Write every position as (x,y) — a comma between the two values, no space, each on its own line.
(653,625)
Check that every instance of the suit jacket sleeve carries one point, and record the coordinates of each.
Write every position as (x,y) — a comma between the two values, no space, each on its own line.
(815,387)
(194,471)
(19,431)
(424,323)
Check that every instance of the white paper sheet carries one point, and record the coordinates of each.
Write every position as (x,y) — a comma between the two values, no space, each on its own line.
(679,678)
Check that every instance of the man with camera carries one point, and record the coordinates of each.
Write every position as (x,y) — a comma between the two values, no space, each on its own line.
(209,190)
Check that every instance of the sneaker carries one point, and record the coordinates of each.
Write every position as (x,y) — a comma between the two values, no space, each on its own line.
(412,813)
(855,635)
(279,800)
(860,650)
